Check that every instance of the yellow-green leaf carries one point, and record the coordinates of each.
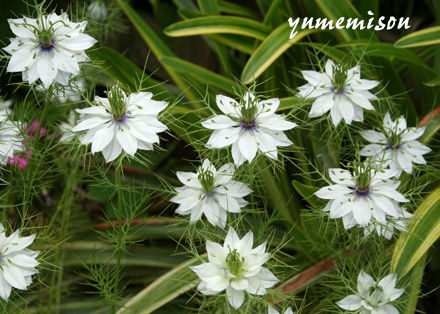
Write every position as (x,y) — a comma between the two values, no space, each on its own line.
(423,231)
(424,37)
(164,289)
(217,24)
(269,50)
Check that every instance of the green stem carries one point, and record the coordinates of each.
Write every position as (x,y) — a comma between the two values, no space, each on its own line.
(119,179)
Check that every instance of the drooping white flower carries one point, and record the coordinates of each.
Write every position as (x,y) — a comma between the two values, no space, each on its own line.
(396,145)
(342,91)
(271,310)
(121,122)
(67,134)
(248,126)
(210,192)
(368,196)
(5,108)
(236,268)
(48,48)
(97,11)
(68,93)
(11,140)
(373,297)
(17,263)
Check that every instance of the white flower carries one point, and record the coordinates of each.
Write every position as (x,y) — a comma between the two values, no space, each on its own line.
(97,10)
(121,122)
(210,192)
(5,108)
(48,48)
(373,297)
(17,263)
(11,140)
(396,145)
(341,91)
(369,196)
(249,126)
(236,267)
(271,310)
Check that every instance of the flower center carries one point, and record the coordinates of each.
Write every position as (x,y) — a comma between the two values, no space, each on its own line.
(206,179)
(116,98)
(375,296)
(46,41)
(394,141)
(363,179)
(339,79)
(234,263)
(249,111)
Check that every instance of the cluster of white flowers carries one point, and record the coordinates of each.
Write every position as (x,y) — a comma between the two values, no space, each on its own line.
(17,263)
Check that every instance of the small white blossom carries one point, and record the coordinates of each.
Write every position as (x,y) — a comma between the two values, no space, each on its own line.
(17,263)
(236,268)
(97,10)
(271,310)
(68,93)
(366,197)
(373,297)
(248,126)
(210,192)
(5,108)
(121,122)
(342,91)
(48,48)
(396,145)
(11,140)
(67,134)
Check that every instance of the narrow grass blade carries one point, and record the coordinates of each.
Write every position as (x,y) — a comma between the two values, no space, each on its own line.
(422,233)
(424,37)
(269,50)
(164,289)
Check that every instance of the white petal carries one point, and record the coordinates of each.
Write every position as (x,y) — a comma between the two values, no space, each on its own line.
(235,297)
(350,303)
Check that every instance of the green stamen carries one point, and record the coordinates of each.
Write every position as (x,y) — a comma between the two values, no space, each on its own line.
(206,179)
(235,263)
(116,97)
(339,78)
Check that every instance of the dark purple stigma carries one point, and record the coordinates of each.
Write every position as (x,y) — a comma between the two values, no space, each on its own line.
(119,120)
(47,47)
(211,194)
(248,126)
(339,92)
(362,192)
(391,147)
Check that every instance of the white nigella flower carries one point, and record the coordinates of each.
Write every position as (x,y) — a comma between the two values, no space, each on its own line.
(365,197)
(5,109)
(342,91)
(121,122)
(373,297)
(48,48)
(396,145)
(248,126)
(97,10)
(17,263)
(210,192)
(11,140)
(236,267)
(271,310)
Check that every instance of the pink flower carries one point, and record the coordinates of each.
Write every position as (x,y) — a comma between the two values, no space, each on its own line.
(22,159)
